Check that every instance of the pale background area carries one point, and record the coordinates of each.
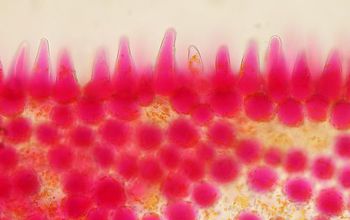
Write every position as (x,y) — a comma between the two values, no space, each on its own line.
(84,25)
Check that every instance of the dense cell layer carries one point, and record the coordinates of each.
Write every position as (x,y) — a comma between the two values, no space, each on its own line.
(172,143)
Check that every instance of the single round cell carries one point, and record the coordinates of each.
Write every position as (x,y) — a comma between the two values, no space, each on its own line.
(344,176)
(5,187)
(109,193)
(90,111)
(76,206)
(290,113)
(262,179)
(259,107)
(47,134)
(224,169)
(222,134)
(127,165)
(170,156)
(330,201)
(114,132)
(150,169)
(342,146)
(149,136)
(202,114)
(182,133)
(323,168)
(273,156)
(8,158)
(298,189)
(180,210)
(175,186)
(183,100)
(123,213)
(97,214)
(75,182)
(295,161)
(61,157)
(205,194)
(192,168)
(82,136)
(104,156)
(248,151)
(26,182)
(18,130)
(62,115)
(248,215)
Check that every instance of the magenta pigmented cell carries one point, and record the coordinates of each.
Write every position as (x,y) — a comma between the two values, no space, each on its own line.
(222,134)
(224,169)
(205,194)
(127,165)
(18,130)
(97,214)
(76,206)
(62,115)
(323,168)
(182,132)
(75,182)
(90,111)
(248,215)
(262,179)
(298,189)
(183,100)
(114,132)
(123,213)
(104,156)
(8,158)
(296,161)
(342,146)
(202,114)
(180,210)
(175,186)
(26,182)
(317,108)
(5,187)
(273,156)
(330,201)
(150,169)
(259,107)
(290,112)
(170,156)
(205,152)
(149,136)
(248,151)
(60,157)
(47,134)
(81,136)
(301,84)
(150,216)
(340,115)
(344,176)
(109,193)
(193,168)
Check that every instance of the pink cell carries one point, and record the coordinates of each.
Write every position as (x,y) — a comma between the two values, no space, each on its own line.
(149,136)
(183,100)
(323,168)
(8,158)
(182,133)
(248,151)
(301,84)
(298,189)
(62,115)
(18,130)
(248,215)
(342,146)
(205,194)
(273,156)
(90,111)
(109,193)
(202,114)
(224,169)
(290,113)
(205,152)
(296,161)
(180,210)
(150,216)
(124,213)
(170,156)
(259,107)
(5,187)
(26,182)
(222,134)
(114,132)
(330,201)
(340,115)
(104,156)
(150,169)
(82,136)
(124,108)
(60,157)
(47,134)
(127,165)
(193,168)
(76,206)
(75,182)
(344,176)
(317,108)
(97,214)
(262,179)
(175,186)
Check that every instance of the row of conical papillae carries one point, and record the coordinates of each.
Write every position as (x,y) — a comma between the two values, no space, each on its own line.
(291,96)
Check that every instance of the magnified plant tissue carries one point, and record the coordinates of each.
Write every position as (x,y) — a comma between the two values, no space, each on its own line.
(175,143)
